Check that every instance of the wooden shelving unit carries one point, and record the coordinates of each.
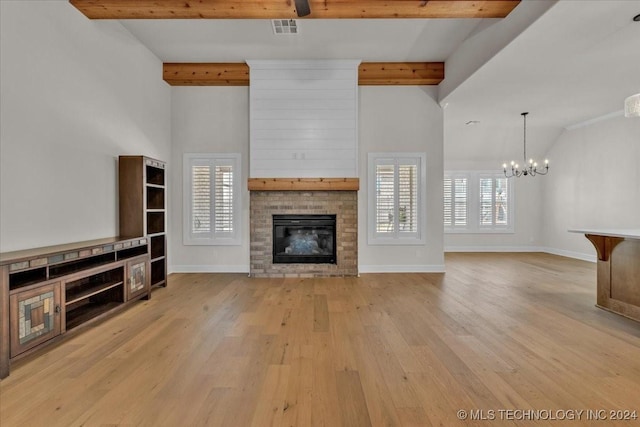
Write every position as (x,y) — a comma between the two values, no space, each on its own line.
(143,208)
(46,292)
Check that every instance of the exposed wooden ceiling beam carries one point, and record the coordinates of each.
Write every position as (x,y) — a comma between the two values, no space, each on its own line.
(400,73)
(206,74)
(270,9)
(237,74)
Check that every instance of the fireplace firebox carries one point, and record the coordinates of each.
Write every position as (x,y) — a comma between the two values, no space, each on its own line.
(304,239)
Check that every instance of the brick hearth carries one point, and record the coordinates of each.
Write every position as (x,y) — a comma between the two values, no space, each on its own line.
(264,204)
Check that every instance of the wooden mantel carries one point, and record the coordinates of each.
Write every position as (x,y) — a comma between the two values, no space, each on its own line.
(237,73)
(304,184)
(274,9)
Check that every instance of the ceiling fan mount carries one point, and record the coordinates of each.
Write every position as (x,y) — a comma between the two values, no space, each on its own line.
(302,7)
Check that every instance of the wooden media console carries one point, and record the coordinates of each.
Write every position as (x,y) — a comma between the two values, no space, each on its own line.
(46,292)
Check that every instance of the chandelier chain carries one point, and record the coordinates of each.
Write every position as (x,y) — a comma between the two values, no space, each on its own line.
(524,115)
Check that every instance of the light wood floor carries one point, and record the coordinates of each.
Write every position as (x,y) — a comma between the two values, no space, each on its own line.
(496,332)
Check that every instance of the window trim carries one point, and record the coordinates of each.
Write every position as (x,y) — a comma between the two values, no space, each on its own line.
(417,238)
(473,203)
(213,239)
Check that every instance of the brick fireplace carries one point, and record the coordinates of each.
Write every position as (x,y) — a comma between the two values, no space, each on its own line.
(342,203)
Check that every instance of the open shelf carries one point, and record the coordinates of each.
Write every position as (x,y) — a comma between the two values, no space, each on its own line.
(157,271)
(88,308)
(90,291)
(157,246)
(155,222)
(93,285)
(26,278)
(66,268)
(155,175)
(155,197)
(132,252)
(88,311)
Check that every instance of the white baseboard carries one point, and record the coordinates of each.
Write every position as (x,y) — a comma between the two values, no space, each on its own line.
(553,251)
(362,269)
(493,249)
(209,269)
(401,268)
(571,254)
(397,268)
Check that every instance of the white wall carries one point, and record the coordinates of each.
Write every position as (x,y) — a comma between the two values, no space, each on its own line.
(594,183)
(216,119)
(208,120)
(402,118)
(75,94)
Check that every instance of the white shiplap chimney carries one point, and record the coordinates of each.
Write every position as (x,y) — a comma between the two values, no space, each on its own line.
(303,118)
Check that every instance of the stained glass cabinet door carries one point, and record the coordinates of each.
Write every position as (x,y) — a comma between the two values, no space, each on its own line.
(36,317)
(137,277)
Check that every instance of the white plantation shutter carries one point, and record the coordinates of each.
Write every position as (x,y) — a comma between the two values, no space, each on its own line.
(494,202)
(501,200)
(478,202)
(486,201)
(460,199)
(385,198)
(224,199)
(408,198)
(211,199)
(455,202)
(448,202)
(201,199)
(396,185)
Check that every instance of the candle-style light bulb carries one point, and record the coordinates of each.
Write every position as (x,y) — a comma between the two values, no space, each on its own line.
(530,161)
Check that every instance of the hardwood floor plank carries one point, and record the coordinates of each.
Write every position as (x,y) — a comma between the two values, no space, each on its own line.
(298,398)
(271,401)
(320,314)
(353,407)
(382,412)
(497,331)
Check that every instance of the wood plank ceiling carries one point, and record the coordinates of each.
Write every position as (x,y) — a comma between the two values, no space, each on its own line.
(237,74)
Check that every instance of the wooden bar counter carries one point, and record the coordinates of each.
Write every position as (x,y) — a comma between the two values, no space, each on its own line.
(618,269)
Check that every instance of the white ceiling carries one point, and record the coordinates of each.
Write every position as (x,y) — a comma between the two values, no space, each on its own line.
(575,62)
(225,40)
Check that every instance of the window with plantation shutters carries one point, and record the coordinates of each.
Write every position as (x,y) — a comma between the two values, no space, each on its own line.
(396,186)
(211,192)
(477,202)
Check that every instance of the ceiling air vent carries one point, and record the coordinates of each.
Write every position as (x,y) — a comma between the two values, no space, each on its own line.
(284,26)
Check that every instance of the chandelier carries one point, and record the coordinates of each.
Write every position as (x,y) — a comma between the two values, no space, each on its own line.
(528,168)
(632,105)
